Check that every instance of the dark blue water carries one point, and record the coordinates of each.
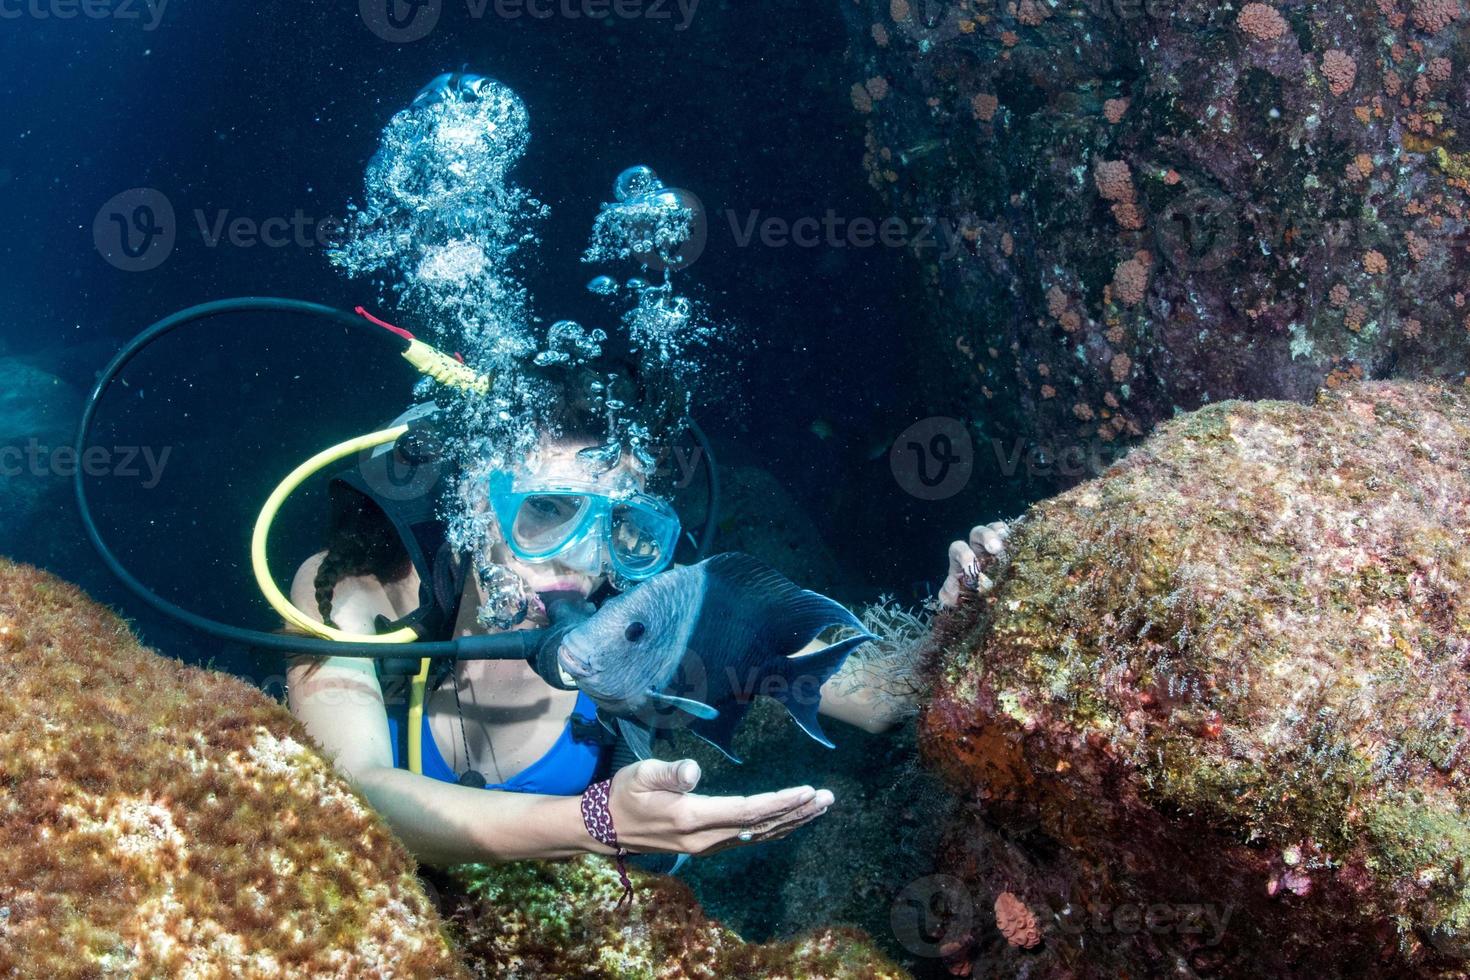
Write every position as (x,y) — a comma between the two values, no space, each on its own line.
(271,111)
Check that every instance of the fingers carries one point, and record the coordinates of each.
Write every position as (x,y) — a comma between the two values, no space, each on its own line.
(672,777)
(990,538)
(964,574)
(961,557)
(731,814)
(722,838)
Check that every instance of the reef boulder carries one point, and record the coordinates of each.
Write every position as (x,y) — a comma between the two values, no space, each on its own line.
(161,820)
(1215,715)
(1122,208)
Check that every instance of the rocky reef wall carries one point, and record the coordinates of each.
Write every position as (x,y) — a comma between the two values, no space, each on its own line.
(1135,207)
(1213,720)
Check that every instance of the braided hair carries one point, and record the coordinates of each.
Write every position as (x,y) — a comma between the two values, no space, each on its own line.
(360,541)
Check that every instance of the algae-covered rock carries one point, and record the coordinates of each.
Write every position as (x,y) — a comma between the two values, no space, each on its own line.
(1225,685)
(160,820)
(562,919)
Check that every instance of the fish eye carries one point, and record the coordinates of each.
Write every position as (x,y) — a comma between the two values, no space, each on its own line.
(635,632)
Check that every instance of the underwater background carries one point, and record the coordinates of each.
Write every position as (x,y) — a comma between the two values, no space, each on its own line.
(1110,220)
(272,111)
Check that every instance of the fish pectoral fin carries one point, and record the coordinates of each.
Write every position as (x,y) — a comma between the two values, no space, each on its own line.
(696,708)
(639,738)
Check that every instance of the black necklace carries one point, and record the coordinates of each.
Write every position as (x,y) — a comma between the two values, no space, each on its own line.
(470,777)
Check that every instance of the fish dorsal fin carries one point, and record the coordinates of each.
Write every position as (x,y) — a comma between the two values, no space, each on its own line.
(750,607)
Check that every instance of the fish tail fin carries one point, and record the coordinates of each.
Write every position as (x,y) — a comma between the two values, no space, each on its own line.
(805,675)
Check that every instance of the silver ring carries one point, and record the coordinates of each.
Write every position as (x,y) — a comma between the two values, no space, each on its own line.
(746,836)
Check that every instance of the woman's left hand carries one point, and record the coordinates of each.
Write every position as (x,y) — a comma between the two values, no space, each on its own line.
(966,567)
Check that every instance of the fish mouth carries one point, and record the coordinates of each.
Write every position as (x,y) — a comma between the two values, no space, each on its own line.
(574,665)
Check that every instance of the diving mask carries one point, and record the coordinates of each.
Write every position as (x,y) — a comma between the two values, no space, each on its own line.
(628,533)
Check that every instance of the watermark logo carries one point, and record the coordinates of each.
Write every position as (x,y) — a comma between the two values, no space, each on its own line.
(690,682)
(937,916)
(401,21)
(933,458)
(407,469)
(1198,232)
(135,231)
(672,256)
(930,915)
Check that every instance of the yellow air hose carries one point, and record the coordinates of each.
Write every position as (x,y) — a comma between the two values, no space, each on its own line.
(443,368)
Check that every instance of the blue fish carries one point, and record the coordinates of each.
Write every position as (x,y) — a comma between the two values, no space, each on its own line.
(695,645)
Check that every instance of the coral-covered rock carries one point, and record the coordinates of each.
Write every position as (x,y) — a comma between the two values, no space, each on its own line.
(160,820)
(1217,710)
(1266,149)
(546,919)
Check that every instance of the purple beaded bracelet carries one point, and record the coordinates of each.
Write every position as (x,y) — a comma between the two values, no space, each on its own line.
(597,818)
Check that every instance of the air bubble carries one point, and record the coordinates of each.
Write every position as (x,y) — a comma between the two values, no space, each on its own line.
(635,182)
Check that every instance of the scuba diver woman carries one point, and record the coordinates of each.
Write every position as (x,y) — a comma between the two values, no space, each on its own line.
(557,531)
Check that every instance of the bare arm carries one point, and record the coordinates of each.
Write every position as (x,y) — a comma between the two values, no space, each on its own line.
(866,695)
(878,693)
(341,704)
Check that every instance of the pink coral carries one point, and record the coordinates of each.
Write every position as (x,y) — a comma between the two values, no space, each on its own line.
(1435,15)
(1375,262)
(1340,70)
(984,105)
(1420,248)
(1114,109)
(1031,13)
(1056,302)
(1114,180)
(1016,922)
(1261,22)
(1439,69)
(1130,281)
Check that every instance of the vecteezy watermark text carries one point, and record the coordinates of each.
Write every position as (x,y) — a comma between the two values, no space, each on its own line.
(122,10)
(832,230)
(36,458)
(656,10)
(936,916)
(406,21)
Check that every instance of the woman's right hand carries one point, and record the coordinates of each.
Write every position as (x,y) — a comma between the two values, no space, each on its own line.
(655,811)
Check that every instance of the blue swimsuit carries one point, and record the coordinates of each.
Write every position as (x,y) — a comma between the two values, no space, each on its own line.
(566,769)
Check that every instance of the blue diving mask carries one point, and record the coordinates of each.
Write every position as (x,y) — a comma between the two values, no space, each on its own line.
(630,534)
